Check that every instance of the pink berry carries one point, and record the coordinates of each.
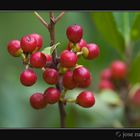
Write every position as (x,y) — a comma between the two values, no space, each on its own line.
(28,44)
(52,95)
(50,76)
(68,81)
(85,99)
(81,74)
(28,77)
(37,101)
(82,43)
(106,84)
(74,33)
(106,74)
(68,59)
(119,70)
(14,48)
(39,40)
(48,57)
(38,60)
(91,51)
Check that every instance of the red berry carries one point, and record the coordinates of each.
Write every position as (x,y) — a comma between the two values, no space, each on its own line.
(68,59)
(106,84)
(39,40)
(50,76)
(135,99)
(14,48)
(106,74)
(52,95)
(119,70)
(85,83)
(81,74)
(68,81)
(37,101)
(28,77)
(82,44)
(48,57)
(74,33)
(85,99)
(28,44)
(91,51)
(38,60)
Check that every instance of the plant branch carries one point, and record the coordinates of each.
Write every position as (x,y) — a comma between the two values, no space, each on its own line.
(59,17)
(42,20)
(54,57)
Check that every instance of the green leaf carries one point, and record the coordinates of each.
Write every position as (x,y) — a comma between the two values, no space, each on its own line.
(46,50)
(135,70)
(135,30)
(107,26)
(110,97)
(54,47)
(124,18)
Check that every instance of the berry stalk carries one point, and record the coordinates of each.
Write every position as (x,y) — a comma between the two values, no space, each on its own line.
(51,29)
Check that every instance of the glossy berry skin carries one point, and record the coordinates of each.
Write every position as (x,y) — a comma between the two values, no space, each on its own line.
(14,48)
(28,77)
(106,74)
(106,84)
(50,76)
(28,44)
(68,81)
(85,84)
(81,74)
(48,58)
(38,60)
(135,99)
(119,70)
(74,33)
(39,40)
(92,51)
(85,99)
(37,101)
(82,43)
(68,59)
(51,95)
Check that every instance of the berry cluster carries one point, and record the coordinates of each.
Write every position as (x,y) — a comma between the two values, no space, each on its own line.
(65,72)
(112,76)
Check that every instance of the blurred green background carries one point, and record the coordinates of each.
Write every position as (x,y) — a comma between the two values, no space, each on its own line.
(107,29)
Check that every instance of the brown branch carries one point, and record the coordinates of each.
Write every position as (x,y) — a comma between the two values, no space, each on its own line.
(54,56)
(42,20)
(59,17)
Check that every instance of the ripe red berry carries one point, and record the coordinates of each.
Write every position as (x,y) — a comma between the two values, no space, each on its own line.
(106,84)
(82,43)
(85,83)
(28,44)
(68,81)
(52,95)
(68,59)
(28,77)
(135,98)
(91,51)
(81,74)
(74,33)
(38,60)
(106,74)
(37,101)
(50,76)
(48,57)
(39,40)
(14,48)
(85,99)
(119,70)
